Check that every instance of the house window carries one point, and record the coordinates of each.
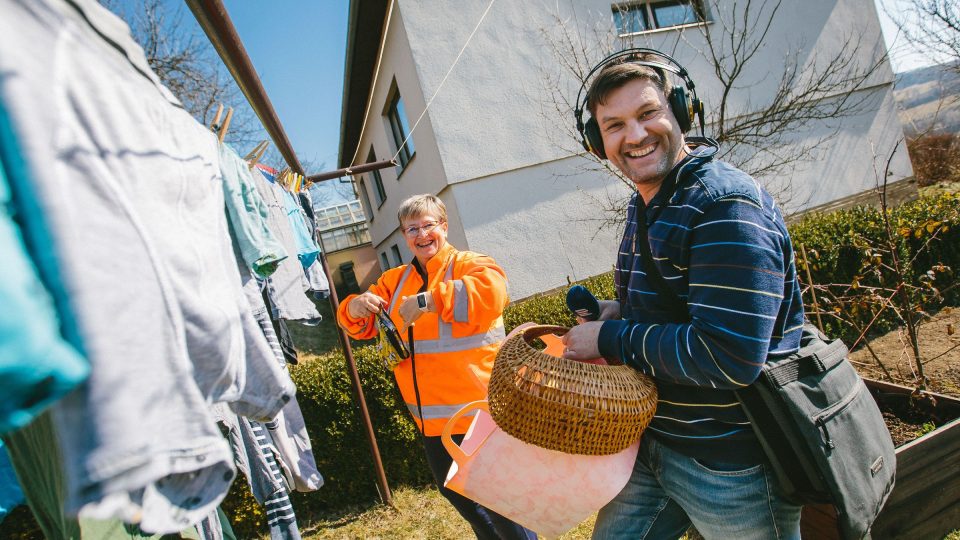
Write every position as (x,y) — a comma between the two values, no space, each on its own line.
(365,199)
(400,129)
(384,263)
(396,254)
(379,194)
(635,17)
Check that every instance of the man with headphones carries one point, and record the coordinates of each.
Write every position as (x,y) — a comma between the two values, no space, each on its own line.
(706,293)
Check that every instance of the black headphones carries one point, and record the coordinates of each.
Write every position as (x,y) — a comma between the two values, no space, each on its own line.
(682,99)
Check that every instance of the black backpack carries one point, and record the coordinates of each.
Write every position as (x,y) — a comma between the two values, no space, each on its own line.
(819,426)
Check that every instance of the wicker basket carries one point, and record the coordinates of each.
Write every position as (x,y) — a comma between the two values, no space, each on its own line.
(565,405)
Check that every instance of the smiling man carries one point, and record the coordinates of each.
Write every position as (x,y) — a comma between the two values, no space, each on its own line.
(726,299)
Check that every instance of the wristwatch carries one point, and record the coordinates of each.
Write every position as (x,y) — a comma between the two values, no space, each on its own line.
(422,301)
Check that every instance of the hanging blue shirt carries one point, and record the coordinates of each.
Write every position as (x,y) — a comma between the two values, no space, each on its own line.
(37,367)
(10,494)
(307,249)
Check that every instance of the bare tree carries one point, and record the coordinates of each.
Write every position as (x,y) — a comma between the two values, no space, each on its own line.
(815,89)
(186,65)
(931,27)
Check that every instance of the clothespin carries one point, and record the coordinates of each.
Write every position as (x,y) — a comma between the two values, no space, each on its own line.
(256,149)
(282,175)
(254,156)
(226,124)
(216,119)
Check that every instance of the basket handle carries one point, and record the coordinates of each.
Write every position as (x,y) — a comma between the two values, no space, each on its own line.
(455,452)
(533,332)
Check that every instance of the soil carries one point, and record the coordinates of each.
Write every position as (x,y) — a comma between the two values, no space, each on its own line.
(940,350)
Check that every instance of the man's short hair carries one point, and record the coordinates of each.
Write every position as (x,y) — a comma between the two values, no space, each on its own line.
(418,205)
(616,74)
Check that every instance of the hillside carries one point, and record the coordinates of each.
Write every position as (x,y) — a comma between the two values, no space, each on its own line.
(929,99)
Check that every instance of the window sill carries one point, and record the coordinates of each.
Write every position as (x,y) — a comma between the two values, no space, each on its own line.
(667,29)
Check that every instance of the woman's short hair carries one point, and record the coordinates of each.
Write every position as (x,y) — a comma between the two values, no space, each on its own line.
(418,205)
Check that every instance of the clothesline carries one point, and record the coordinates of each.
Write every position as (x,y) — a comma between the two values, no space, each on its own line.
(216,23)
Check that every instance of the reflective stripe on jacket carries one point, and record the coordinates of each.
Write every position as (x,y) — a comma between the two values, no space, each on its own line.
(455,347)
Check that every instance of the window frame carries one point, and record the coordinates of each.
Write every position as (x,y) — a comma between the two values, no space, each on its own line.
(650,15)
(365,199)
(377,181)
(396,114)
(395,250)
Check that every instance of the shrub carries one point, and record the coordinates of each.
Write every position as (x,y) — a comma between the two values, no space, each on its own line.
(851,261)
(551,307)
(935,158)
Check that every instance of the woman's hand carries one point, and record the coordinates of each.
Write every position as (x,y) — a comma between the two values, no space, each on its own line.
(365,305)
(410,310)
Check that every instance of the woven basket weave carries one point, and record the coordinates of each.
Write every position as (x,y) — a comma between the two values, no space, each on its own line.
(566,405)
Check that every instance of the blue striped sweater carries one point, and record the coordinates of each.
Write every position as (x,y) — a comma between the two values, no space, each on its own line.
(721,244)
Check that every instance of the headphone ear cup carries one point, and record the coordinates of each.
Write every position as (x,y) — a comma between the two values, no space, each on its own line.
(682,108)
(593,142)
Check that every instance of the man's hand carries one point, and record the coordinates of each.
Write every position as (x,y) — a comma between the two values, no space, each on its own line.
(609,309)
(365,305)
(581,341)
(410,310)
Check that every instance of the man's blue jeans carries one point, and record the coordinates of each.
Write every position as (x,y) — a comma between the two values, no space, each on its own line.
(668,491)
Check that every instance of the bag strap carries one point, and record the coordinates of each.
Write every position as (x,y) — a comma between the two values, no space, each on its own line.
(807,363)
(641,243)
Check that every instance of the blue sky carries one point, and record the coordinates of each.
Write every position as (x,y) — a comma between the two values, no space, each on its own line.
(298,49)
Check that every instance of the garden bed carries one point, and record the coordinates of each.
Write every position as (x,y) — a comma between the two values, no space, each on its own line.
(925,502)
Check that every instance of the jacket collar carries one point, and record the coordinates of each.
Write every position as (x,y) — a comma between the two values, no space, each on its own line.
(694,158)
(438,261)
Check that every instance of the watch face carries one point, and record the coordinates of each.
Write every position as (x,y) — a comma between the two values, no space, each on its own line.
(421,301)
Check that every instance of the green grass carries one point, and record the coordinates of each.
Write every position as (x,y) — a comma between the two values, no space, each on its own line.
(418,513)
(313,341)
(316,340)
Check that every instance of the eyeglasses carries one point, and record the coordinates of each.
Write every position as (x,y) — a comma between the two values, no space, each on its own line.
(413,232)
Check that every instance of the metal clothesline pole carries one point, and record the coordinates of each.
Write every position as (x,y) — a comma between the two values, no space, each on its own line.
(216,23)
(349,171)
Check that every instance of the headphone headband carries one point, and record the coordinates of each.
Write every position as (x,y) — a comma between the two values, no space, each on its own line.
(685,107)
(672,66)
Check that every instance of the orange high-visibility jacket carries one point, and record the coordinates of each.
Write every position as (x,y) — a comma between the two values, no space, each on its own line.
(454,348)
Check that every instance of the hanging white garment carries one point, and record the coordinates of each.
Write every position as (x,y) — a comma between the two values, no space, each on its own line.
(129,182)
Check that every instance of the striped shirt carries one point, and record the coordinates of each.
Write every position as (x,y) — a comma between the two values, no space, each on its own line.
(720,242)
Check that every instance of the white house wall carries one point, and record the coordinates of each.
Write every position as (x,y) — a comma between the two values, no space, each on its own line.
(542,223)
(424,173)
(854,159)
(490,115)
(489,147)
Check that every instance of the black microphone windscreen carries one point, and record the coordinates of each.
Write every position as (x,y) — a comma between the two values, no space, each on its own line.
(583,303)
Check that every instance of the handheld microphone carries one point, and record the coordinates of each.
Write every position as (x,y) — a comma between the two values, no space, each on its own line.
(583,303)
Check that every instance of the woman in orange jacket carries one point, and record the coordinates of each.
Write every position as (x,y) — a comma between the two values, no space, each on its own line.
(456,299)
